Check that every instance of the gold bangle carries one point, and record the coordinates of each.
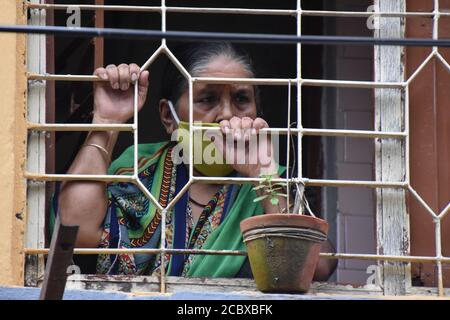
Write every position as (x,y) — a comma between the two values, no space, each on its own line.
(99,147)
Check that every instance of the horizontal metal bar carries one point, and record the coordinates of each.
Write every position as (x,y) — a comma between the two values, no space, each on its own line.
(265,12)
(347,256)
(142,251)
(234,37)
(62,77)
(352,133)
(286,12)
(306,181)
(255,81)
(351,84)
(79,127)
(78,177)
(231,180)
(393,258)
(126,8)
(364,14)
(353,183)
(322,132)
(303,82)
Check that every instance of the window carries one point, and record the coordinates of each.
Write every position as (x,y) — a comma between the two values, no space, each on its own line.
(348,142)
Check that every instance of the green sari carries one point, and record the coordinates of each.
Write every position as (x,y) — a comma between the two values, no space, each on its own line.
(133,222)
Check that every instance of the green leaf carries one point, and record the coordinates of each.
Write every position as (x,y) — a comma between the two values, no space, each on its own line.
(260,198)
(274,201)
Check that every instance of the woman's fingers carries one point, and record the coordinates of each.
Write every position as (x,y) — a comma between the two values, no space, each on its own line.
(236,125)
(124,76)
(101,72)
(242,128)
(143,86)
(134,72)
(113,76)
(246,125)
(259,123)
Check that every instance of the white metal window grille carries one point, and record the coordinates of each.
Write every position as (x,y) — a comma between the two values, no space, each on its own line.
(397,138)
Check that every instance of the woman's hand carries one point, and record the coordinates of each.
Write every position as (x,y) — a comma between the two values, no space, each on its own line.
(249,151)
(113,99)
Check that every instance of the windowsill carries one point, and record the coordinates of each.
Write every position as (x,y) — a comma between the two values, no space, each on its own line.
(100,287)
(226,288)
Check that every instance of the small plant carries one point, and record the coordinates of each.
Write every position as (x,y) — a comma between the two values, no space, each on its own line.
(274,191)
(271,190)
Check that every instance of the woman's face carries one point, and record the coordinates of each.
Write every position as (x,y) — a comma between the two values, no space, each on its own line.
(217,102)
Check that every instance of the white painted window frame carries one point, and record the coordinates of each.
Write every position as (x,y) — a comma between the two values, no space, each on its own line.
(36,153)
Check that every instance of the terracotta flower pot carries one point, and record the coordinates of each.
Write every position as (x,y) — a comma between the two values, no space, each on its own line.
(283,250)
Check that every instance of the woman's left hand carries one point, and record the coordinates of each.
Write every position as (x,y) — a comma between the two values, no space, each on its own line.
(248,150)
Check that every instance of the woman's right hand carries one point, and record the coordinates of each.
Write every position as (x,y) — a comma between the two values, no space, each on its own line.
(113,99)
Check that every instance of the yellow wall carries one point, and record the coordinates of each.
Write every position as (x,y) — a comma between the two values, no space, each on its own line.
(12,144)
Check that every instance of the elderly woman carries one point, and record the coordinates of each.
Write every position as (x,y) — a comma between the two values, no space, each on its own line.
(207,216)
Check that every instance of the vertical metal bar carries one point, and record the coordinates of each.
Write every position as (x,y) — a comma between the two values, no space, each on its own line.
(191,132)
(436,16)
(299,93)
(288,151)
(164,211)
(163,251)
(163,20)
(437,221)
(135,130)
(438,239)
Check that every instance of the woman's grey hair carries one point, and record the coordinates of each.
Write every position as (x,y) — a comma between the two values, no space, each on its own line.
(194,57)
